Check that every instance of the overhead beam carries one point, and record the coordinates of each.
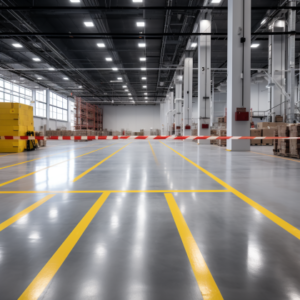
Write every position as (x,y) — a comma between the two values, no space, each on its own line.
(80,9)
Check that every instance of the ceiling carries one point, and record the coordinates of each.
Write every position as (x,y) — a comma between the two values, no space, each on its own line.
(84,64)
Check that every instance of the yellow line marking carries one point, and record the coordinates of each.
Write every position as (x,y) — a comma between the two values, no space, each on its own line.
(7,154)
(24,212)
(98,164)
(228,150)
(113,191)
(156,161)
(280,222)
(24,162)
(29,174)
(206,282)
(43,278)
(275,156)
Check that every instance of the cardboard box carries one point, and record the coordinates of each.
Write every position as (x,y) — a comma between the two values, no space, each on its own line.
(255,132)
(268,125)
(268,132)
(278,119)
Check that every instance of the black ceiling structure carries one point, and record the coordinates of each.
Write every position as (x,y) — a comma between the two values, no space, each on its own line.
(54,31)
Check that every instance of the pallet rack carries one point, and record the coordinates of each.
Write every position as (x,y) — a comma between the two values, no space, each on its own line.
(87,116)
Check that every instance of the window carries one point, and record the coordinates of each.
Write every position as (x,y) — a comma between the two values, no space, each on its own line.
(14,93)
(40,106)
(58,107)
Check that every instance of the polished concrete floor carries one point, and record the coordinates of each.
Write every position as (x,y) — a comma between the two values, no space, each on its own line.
(144,221)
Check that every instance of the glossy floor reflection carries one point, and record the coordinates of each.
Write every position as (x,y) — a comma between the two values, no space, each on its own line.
(131,244)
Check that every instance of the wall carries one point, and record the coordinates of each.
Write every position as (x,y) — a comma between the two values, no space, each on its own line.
(53,124)
(132,118)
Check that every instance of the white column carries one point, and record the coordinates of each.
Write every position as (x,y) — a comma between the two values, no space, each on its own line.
(188,96)
(291,63)
(278,68)
(239,67)
(178,103)
(212,103)
(48,108)
(204,77)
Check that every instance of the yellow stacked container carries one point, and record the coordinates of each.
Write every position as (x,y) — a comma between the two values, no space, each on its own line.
(15,120)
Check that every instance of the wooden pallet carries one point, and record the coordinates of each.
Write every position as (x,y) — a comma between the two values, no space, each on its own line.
(267,144)
(255,145)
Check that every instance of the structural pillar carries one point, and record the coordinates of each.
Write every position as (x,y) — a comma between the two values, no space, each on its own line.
(178,103)
(204,77)
(171,112)
(48,108)
(188,94)
(291,62)
(239,71)
(277,81)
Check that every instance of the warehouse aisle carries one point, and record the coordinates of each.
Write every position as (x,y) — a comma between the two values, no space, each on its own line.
(148,220)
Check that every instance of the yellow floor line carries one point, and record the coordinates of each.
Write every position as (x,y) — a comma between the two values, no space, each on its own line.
(43,278)
(7,154)
(32,173)
(24,212)
(114,191)
(280,222)
(206,282)
(155,158)
(98,164)
(24,162)
(275,156)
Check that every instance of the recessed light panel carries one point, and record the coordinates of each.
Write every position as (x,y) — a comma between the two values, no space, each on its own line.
(17,45)
(88,24)
(140,24)
(101,45)
(142,45)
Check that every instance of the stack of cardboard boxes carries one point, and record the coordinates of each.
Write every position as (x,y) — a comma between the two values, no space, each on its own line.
(295,144)
(213,132)
(283,145)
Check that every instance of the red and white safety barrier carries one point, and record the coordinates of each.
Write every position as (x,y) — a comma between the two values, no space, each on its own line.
(88,138)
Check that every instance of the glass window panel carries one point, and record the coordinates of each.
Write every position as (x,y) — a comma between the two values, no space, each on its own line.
(16,88)
(27,102)
(1,82)
(15,98)
(22,90)
(65,103)
(7,85)
(7,97)
(65,115)
(22,100)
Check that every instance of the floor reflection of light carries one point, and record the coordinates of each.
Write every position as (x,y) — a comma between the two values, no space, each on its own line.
(254,259)
(90,289)
(53,213)
(114,222)
(34,236)
(182,209)
(100,250)
(293,293)
(23,220)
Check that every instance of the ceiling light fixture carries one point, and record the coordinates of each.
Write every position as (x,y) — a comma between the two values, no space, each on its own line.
(144,86)
(263,21)
(39,78)
(255,45)
(66,78)
(137,1)
(129,94)
(140,24)
(216,1)
(101,45)
(145,94)
(119,78)
(75,1)
(51,69)
(36,59)
(142,58)
(108,59)
(80,87)
(194,45)
(88,24)
(17,45)
(124,86)
(142,45)
(144,78)
(143,69)
(115,69)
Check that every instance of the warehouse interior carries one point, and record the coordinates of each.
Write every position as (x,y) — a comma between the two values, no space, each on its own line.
(149,149)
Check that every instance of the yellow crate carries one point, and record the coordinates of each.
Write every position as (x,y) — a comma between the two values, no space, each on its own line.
(15,120)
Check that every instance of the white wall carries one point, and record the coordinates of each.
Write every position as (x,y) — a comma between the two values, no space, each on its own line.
(53,124)
(132,118)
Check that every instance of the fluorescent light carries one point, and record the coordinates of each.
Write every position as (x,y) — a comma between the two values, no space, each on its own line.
(280,24)
(51,69)
(142,58)
(16,45)
(255,45)
(143,69)
(80,87)
(119,78)
(36,59)
(39,78)
(137,1)
(216,1)
(108,59)
(146,97)
(144,86)
(140,24)
(194,45)
(263,21)
(126,90)
(124,86)
(145,94)
(88,24)
(129,94)
(142,45)
(115,69)
(75,1)
(66,78)
(130,98)
(101,45)
(144,78)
